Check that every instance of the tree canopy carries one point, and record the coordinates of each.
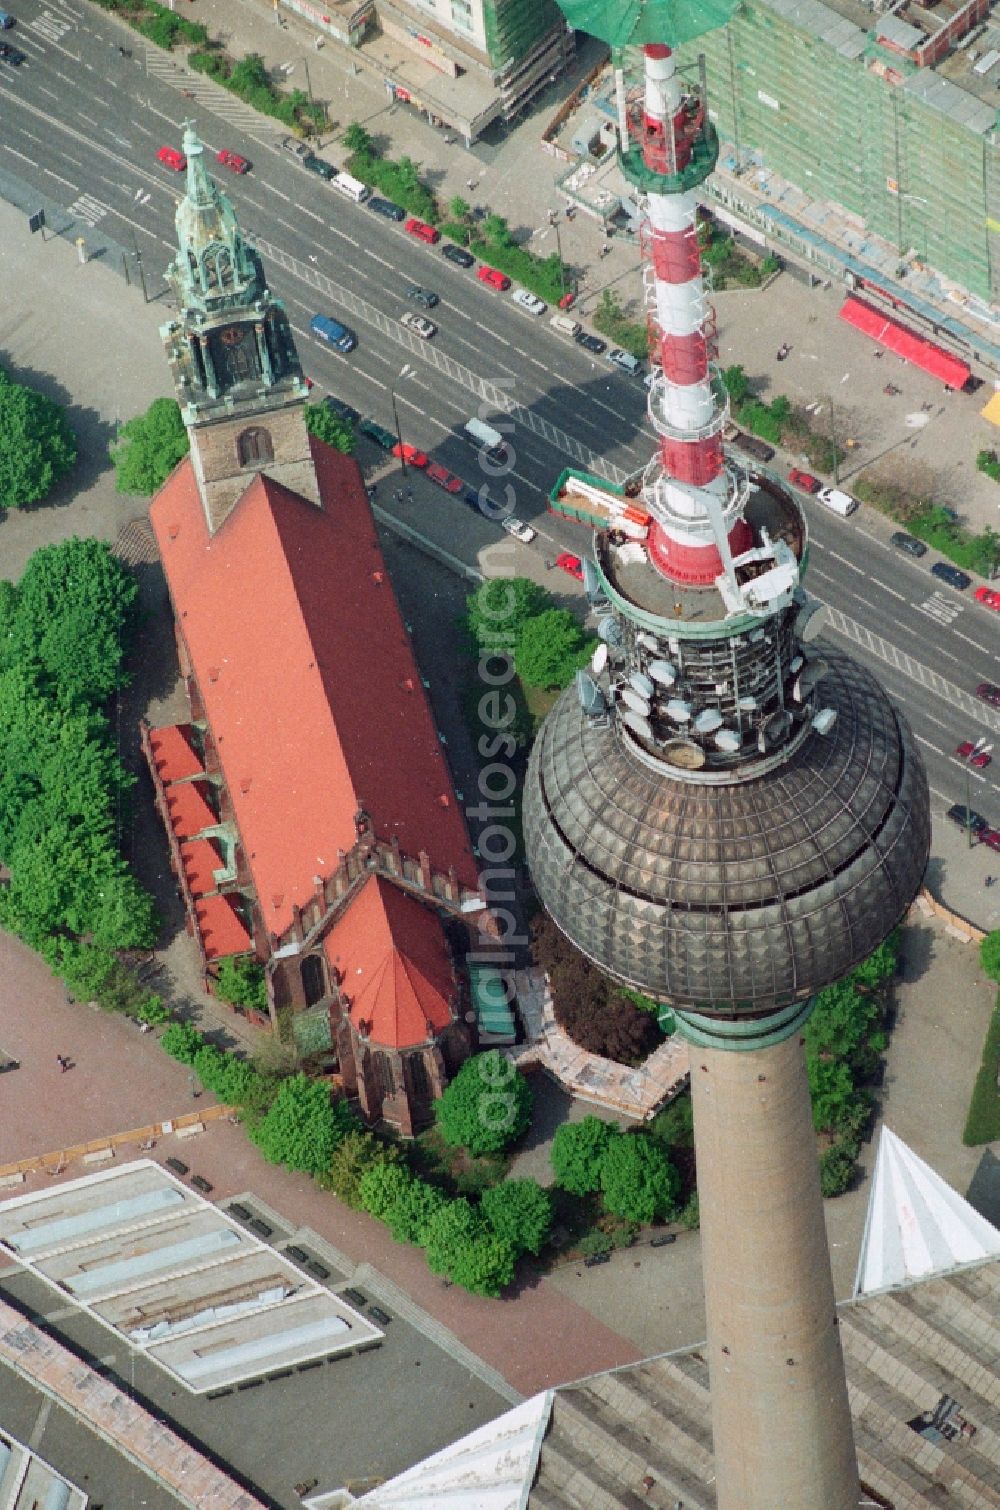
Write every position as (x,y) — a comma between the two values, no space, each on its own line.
(381,1186)
(638,1181)
(150,446)
(520,1212)
(240,981)
(499,609)
(578,1150)
(410,1215)
(486,1107)
(37,445)
(551,648)
(302,1127)
(461,1246)
(357,1154)
(329,427)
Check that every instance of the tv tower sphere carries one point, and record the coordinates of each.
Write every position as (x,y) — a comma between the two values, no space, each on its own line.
(725,814)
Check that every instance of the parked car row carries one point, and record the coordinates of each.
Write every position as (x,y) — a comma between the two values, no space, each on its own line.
(974,823)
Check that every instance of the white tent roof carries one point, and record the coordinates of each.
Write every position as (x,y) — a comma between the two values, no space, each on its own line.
(916,1226)
(492,1468)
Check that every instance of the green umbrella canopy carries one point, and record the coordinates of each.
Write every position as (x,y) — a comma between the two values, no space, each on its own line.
(631,23)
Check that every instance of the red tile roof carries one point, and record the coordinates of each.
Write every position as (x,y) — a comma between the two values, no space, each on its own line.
(187,809)
(307,678)
(200,857)
(173,754)
(221,928)
(394,965)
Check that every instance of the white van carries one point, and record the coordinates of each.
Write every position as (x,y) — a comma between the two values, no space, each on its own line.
(352,187)
(565,326)
(485,438)
(840,503)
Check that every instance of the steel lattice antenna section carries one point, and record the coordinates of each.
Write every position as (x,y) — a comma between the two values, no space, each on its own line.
(721,816)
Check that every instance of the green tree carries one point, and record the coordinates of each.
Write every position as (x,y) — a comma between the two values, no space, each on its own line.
(989,955)
(37,445)
(551,649)
(240,981)
(302,1126)
(358,139)
(410,1215)
(689,1216)
(381,1186)
(836,1167)
(638,1181)
(486,1107)
(182,1041)
(485,1266)
(881,964)
(499,609)
(249,75)
(449,1232)
(496,229)
(459,208)
(578,1150)
(329,427)
(150,446)
(519,1211)
(831,1087)
(736,384)
(359,1152)
(72,615)
(674,1125)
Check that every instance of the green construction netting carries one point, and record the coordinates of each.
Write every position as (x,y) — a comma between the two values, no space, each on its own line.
(630,23)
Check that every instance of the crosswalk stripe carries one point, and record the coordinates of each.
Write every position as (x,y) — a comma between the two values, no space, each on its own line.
(212,96)
(49,26)
(941,609)
(88,209)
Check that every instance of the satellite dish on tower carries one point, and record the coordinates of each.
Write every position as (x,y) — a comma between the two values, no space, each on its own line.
(591,697)
(662,672)
(809,678)
(647,641)
(708,720)
(684,753)
(824,720)
(728,741)
(810,621)
(610,631)
(599,659)
(747,704)
(677,710)
(632,700)
(642,684)
(637,724)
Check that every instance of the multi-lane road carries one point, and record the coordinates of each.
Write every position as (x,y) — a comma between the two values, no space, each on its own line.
(81,128)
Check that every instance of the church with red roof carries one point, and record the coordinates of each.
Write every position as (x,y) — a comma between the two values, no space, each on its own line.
(310,811)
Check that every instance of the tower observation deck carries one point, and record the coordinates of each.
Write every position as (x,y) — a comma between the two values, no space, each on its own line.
(725,812)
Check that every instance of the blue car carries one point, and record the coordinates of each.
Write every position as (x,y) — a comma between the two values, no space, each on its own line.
(333,333)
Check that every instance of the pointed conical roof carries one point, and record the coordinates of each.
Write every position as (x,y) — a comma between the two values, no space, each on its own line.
(214,267)
(916,1226)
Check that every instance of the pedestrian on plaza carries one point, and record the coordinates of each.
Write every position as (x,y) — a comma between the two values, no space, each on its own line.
(62,1062)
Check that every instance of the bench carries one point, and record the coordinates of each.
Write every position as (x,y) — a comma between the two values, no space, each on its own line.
(298,1254)
(98,1156)
(201,1184)
(190,1130)
(355,1297)
(177,1165)
(237,1209)
(380,1317)
(320,1271)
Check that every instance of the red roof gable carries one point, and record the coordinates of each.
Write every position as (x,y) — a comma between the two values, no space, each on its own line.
(173,754)
(221,928)
(308,679)
(393,961)
(200,857)
(187,808)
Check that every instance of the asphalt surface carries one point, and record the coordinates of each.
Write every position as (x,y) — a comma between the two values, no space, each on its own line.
(70,140)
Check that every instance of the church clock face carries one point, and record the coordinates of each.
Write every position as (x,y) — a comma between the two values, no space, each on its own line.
(235,353)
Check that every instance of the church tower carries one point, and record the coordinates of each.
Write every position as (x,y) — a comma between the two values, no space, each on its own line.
(232,355)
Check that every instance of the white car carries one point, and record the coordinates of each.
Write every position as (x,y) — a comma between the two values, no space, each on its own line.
(625,360)
(527,301)
(519,529)
(420,326)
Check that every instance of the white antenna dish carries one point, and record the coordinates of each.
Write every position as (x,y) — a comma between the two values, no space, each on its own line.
(591,697)
(747,704)
(684,753)
(728,741)
(610,631)
(810,621)
(809,678)
(824,720)
(708,720)
(599,659)
(662,672)
(632,700)
(677,710)
(796,663)
(642,684)
(637,724)
(648,641)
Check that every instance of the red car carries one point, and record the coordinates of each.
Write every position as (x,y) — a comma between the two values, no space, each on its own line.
(991,838)
(990,693)
(571,564)
(411,454)
(444,479)
(974,753)
(171,158)
(567,301)
(989,597)
(494,277)
(233,161)
(422,231)
(804,480)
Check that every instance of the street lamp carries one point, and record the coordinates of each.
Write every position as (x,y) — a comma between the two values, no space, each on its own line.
(406,372)
(554,223)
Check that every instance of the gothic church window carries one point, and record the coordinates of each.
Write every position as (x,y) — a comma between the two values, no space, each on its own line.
(254,448)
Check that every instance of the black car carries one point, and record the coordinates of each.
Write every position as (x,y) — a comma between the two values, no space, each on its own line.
(378,433)
(320,166)
(945,572)
(387,209)
(457,254)
(591,343)
(908,543)
(967,817)
(12,55)
(423,296)
(758,449)
(342,411)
